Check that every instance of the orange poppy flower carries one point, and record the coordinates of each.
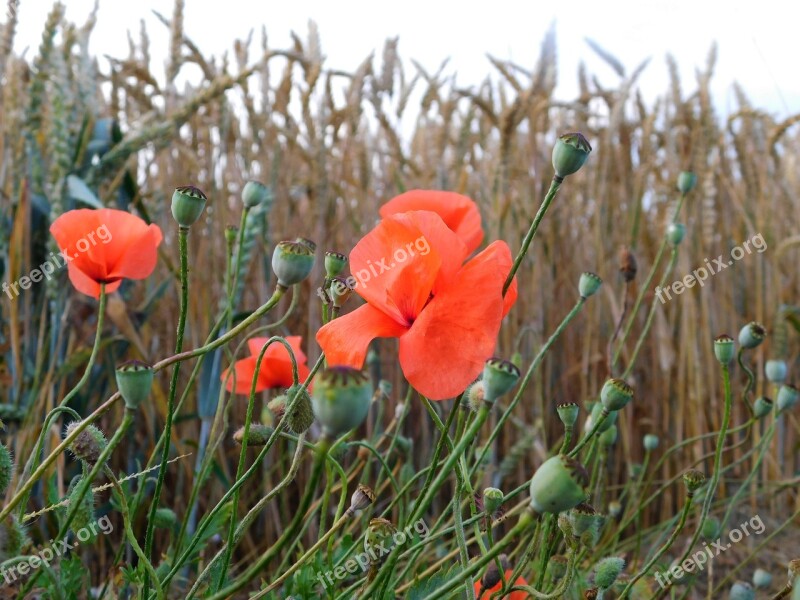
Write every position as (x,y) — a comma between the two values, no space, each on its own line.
(105,246)
(487,594)
(445,313)
(458,212)
(276,366)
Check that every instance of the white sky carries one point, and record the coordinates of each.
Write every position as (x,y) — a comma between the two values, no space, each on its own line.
(758,44)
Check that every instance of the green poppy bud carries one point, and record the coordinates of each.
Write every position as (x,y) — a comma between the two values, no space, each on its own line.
(302,415)
(188,203)
(134,381)
(724,349)
(788,396)
(608,437)
(89,443)
(675,233)
(711,528)
(361,499)
(694,480)
(614,509)
(292,262)
(472,398)
(651,442)
(334,263)
(751,335)
(762,407)
(341,399)
(165,518)
(499,376)
(686,181)
(776,371)
(84,516)
(231,232)
(588,284)
(568,413)
(607,571)
(255,193)
(570,153)
(340,291)
(493,576)
(742,591)
(492,499)
(616,394)
(762,579)
(6,468)
(558,567)
(12,538)
(558,485)
(257,436)
(379,538)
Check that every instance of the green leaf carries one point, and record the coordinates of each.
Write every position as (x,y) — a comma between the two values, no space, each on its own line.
(425,587)
(79,191)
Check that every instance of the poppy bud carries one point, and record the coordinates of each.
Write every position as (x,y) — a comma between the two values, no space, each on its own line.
(627,264)
(334,263)
(711,528)
(89,443)
(558,485)
(257,436)
(188,203)
(492,499)
(607,571)
(255,193)
(302,415)
(492,576)
(675,233)
(558,567)
(473,396)
(231,231)
(588,284)
(614,508)
(499,376)
(361,498)
(650,442)
(742,591)
(84,515)
(569,153)
(277,406)
(340,291)
(616,394)
(165,518)
(379,538)
(6,468)
(788,396)
(341,399)
(724,349)
(310,244)
(694,480)
(762,579)
(292,262)
(686,181)
(608,437)
(568,413)
(776,371)
(762,407)
(751,335)
(134,381)
(12,538)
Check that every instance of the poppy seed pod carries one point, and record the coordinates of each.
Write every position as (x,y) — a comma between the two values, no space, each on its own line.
(686,181)
(616,394)
(588,284)
(257,436)
(292,262)
(607,571)
(762,579)
(499,376)
(762,407)
(776,371)
(188,203)
(378,539)
(334,263)
(558,485)
(302,415)
(675,233)
(570,153)
(6,468)
(310,244)
(568,413)
(751,335)
(627,264)
(134,381)
(651,442)
(694,480)
(710,528)
(594,417)
(361,499)
(724,349)
(788,396)
(492,499)
(558,567)
(89,443)
(581,518)
(255,193)
(340,291)
(742,591)
(341,399)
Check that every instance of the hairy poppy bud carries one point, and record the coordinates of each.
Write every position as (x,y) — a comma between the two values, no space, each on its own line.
(686,181)
(711,528)
(6,468)
(627,264)
(724,349)
(776,371)
(302,415)
(675,233)
(292,262)
(473,396)
(742,591)
(558,567)
(334,263)
(361,498)
(499,376)
(12,538)
(89,443)
(341,399)
(492,499)
(277,406)
(255,193)
(568,413)
(257,436)
(751,335)
(558,485)
(694,480)
(134,381)
(788,396)
(570,153)
(762,407)
(84,515)
(651,442)
(616,394)
(762,579)
(607,571)
(165,518)
(188,203)
(588,284)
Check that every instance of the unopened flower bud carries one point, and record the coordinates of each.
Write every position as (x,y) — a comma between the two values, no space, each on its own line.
(134,381)
(334,263)
(607,571)
(12,537)
(788,397)
(686,181)
(341,399)
(724,349)
(751,335)
(255,193)
(694,480)
(651,442)
(165,518)
(742,591)
(762,579)
(361,498)
(568,413)
(277,406)
(188,203)
(675,233)
(762,407)
(492,576)
(499,376)
(627,264)
(558,485)
(776,371)
(84,515)
(301,415)
(558,567)
(89,443)
(292,262)
(257,436)
(492,499)
(588,284)
(6,468)
(710,528)
(473,396)
(616,394)
(570,153)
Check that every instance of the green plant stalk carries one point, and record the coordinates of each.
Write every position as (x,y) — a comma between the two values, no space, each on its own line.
(526,242)
(544,556)
(751,379)
(604,413)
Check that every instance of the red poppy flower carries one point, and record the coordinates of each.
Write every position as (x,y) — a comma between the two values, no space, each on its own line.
(276,366)
(487,594)
(458,212)
(105,246)
(446,313)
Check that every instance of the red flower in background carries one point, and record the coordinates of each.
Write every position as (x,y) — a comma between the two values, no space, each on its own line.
(512,596)
(105,246)
(276,366)
(445,313)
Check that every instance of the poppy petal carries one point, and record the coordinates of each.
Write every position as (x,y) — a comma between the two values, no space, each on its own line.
(511,296)
(448,344)
(487,594)
(345,340)
(86,285)
(459,212)
(245,370)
